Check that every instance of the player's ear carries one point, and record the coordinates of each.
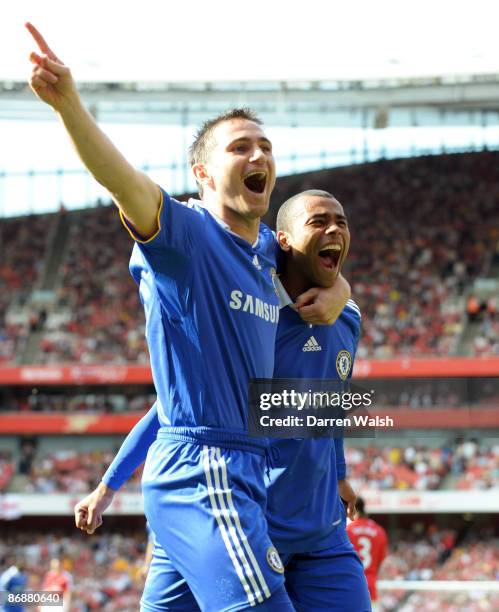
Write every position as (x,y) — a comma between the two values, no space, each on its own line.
(202,175)
(283,238)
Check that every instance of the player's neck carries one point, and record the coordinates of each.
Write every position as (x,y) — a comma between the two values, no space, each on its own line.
(246,228)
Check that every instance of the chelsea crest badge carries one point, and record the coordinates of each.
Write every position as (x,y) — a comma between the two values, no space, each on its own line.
(343,364)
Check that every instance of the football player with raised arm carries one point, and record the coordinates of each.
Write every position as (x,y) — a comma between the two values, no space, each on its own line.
(206,280)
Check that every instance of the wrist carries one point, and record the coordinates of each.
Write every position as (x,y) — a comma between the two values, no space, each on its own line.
(71,108)
(104,490)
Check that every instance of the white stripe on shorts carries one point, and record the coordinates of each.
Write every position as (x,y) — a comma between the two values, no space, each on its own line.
(228,514)
(226,517)
(214,495)
(242,535)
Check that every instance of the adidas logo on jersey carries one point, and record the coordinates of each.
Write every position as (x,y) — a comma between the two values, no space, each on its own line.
(312,345)
(256,263)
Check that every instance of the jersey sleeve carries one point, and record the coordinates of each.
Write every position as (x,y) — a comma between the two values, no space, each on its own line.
(133,451)
(180,227)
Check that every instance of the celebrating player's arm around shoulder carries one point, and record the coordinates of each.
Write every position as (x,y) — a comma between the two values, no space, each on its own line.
(323,306)
(134,192)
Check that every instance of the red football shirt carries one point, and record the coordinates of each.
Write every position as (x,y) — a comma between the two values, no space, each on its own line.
(57,581)
(371,542)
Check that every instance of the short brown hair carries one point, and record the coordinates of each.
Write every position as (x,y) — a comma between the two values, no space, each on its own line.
(203,140)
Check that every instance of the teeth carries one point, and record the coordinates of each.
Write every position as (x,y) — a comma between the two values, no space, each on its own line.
(332,247)
(256,173)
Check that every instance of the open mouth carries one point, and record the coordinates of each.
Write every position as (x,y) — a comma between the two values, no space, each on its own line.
(256,181)
(330,255)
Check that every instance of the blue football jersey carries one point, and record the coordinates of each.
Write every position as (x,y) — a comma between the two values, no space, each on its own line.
(211,315)
(12,582)
(303,506)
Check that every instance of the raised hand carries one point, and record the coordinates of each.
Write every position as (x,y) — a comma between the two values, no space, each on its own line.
(135,193)
(50,79)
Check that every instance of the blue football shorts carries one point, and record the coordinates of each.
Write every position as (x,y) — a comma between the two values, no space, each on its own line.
(330,579)
(205,505)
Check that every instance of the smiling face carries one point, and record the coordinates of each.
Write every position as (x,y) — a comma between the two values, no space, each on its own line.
(239,173)
(317,240)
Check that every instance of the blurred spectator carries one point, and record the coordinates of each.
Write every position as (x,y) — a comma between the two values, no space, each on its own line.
(6,470)
(27,455)
(473,308)
(13,581)
(57,579)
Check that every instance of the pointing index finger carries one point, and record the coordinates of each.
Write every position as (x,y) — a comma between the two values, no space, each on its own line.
(40,41)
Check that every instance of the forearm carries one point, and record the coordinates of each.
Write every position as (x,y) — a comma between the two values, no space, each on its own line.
(102,159)
(339,295)
(323,306)
(133,451)
(135,193)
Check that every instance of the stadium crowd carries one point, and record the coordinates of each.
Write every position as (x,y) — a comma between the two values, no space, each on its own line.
(486,341)
(69,471)
(422,230)
(23,242)
(107,568)
(458,464)
(99,316)
(73,400)
(438,555)
(467,464)
(397,467)
(476,466)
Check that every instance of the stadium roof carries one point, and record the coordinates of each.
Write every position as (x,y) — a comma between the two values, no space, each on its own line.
(153,41)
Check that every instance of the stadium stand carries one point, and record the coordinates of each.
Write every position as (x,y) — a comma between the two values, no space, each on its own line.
(23,242)
(424,229)
(98,315)
(448,464)
(107,567)
(439,557)
(69,471)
